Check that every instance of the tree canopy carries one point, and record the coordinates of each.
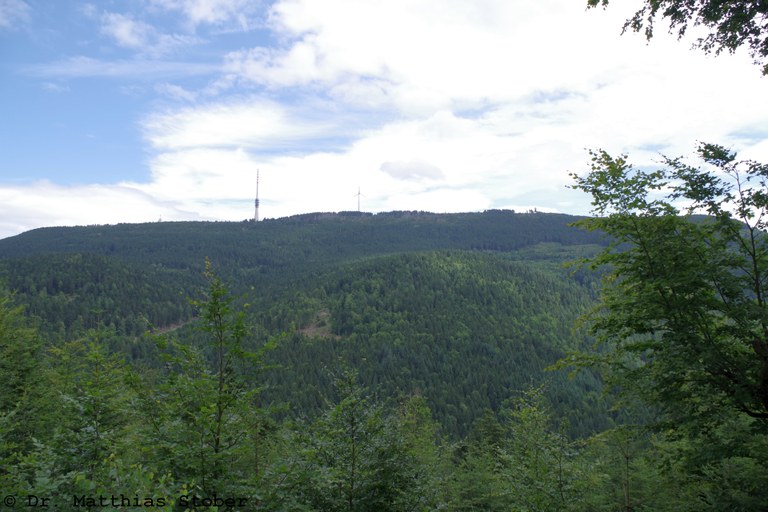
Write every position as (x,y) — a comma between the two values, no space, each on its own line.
(687,292)
(683,320)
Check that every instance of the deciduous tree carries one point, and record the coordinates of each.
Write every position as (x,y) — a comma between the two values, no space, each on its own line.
(683,320)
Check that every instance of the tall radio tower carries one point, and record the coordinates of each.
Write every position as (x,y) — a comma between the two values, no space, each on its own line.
(256,202)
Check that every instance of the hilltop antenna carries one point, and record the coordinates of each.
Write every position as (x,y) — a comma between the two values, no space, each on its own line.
(256,202)
(358,197)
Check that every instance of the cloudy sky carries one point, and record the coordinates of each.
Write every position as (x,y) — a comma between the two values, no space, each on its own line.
(116,111)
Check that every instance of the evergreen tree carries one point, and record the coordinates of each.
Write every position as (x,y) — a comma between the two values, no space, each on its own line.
(205,422)
(538,463)
(358,457)
(24,402)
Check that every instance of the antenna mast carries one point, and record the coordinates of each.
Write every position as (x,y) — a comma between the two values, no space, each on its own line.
(256,202)
(358,198)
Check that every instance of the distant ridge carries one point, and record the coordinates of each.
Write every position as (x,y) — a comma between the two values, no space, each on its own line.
(351,233)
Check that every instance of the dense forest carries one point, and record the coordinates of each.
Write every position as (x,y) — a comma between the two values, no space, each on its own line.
(400,361)
(463,307)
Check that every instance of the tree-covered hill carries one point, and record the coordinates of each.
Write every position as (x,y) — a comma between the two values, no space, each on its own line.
(73,292)
(310,239)
(467,330)
(268,257)
(466,309)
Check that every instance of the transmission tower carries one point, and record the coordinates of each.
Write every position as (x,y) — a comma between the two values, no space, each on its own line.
(256,202)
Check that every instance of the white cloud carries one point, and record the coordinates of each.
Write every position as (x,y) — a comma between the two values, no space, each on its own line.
(46,204)
(239,13)
(141,36)
(126,31)
(243,123)
(440,201)
(413,170)
(402,165)
(175,92)
(13,13)
(425,55)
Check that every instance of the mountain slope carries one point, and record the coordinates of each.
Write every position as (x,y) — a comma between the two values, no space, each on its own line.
(467,330)
(466,309)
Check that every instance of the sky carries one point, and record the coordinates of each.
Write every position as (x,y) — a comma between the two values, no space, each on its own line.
(148,110)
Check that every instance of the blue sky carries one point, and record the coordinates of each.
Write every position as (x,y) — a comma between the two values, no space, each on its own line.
(118,111)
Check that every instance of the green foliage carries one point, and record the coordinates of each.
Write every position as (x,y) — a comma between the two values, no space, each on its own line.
(23,390)
(475,482)
(88,446)
(204,412)
(510,317)
(725,467)
(525,462)
(731,24)
(622,472)
(120,278)
(683,319)
(73,294)
(538,461)
(280,248)
(463,329)
(360,457)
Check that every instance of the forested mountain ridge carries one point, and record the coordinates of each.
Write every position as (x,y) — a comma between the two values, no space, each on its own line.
(310,238)
(461,307)
(269,256)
